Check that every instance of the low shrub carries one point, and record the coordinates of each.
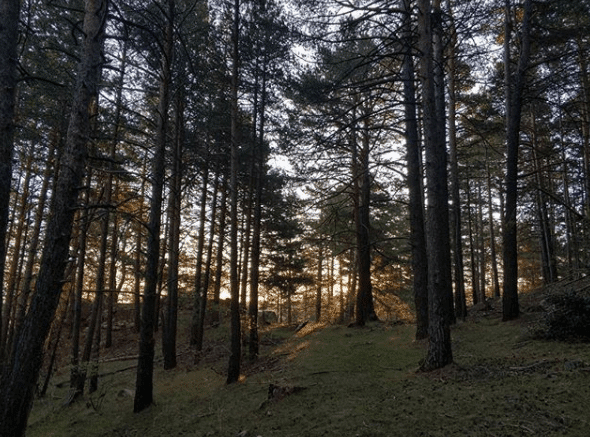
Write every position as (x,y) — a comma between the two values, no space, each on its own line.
(568,318)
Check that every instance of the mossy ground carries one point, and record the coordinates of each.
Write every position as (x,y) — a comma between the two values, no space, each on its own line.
(350,382)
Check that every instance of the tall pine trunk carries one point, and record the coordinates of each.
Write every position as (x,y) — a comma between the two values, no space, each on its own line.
(514,86)
(437,224)
(18,240)
(170,322)
(9,11)
(198,293)
(460,303)
(233,372)
(19,380)
(208,260)
(253,344)
(144,385)
(494,261)
(365,310)
(413,158)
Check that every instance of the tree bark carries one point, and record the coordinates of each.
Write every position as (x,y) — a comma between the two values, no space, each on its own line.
(206,277)
(18,238)
(219,254)
(413,158)
(472,250)
(198,293)
(9,11)
(233,372)
(112,296)
(144,395)
(19,380)
(170,325)
(319,285)
(365,310)
(50,170)
(77,374)
(260,172)
(139,227)
(460,303)
(514,85)
(481,244)
(437,228)
(493,260)
(546,237)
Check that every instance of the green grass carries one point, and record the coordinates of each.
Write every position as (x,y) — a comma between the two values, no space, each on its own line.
(352,382)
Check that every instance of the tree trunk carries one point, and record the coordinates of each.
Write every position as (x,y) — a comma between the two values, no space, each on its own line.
(77,374)
(437,229)
(481,244)
(233,372)
(585,88)
(198,293)
(112,296)
(417,232)
(460,303)
(219,255)
(9,11)
(19,380)
(96,320)
(253,344)
(472,250)
(546,237)
(319,285)
(144,395)
(53,346)
(365,310)
(514,85)
(170,325)
(50,169)
(207,275)
(493,260)
(14,270)
(139,227)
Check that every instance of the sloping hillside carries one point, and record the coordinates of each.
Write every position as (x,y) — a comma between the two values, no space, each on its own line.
(339,381)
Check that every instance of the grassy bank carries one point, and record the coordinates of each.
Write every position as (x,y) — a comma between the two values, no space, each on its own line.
(339,381)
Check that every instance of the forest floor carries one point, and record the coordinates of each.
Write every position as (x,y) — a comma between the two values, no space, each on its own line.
(339,381)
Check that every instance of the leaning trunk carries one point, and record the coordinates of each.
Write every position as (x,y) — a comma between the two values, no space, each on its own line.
(19,380)
(10,11)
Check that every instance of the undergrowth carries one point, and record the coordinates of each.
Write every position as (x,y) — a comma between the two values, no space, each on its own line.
(569,317)
(338,381)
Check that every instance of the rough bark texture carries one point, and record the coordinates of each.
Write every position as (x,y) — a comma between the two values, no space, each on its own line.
(18,382)
(437,228)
